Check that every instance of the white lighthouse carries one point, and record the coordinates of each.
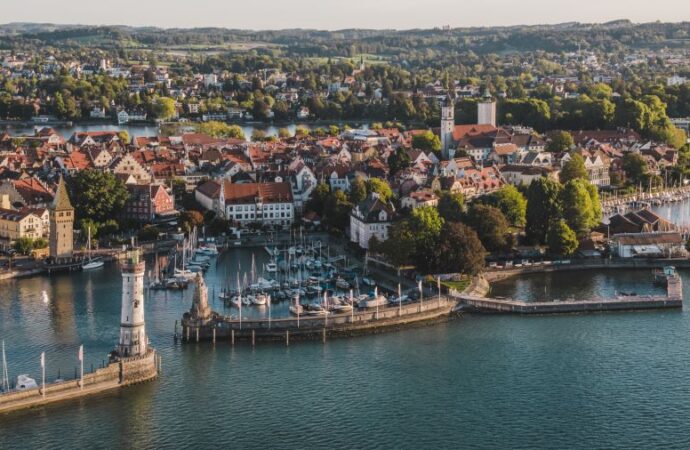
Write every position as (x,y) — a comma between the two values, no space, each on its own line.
(447,127)
(133,340)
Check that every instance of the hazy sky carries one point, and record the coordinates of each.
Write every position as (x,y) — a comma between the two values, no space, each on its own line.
(338,14)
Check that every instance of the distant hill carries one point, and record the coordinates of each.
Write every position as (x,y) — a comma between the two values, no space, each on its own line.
(619,35)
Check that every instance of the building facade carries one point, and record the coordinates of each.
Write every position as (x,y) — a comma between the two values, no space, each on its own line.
(371,218)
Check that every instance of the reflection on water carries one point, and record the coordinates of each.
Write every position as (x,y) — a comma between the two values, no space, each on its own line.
(678,213)
(578,285)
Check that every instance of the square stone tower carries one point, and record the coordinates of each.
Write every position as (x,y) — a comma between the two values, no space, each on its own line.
(61,217)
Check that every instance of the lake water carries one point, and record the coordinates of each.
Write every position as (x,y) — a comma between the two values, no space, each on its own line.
(575,381)
(136,130)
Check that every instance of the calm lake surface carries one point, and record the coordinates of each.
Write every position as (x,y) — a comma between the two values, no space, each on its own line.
(590,381)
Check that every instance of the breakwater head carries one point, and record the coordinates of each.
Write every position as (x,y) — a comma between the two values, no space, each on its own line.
(475,300)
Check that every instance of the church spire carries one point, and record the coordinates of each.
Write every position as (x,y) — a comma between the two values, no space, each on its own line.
(61,201)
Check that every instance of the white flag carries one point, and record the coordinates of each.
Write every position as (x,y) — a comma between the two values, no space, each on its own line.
(43,360)
(81,353)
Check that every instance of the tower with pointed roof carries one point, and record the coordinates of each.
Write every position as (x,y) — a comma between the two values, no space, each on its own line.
(61,217)
(447,127)
(486,110)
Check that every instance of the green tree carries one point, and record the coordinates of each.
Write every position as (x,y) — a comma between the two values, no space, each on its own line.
(578,211)
(561,239)
(460,250)
(398,160)
(283,133)
(635,168)
(258,135)
(490,224)
(560,141)
(358,191)
(87,225)
(24,245)
(220,130)
(97,195)
(164,108)
(124,136)
(574,169)
(543,206)
(191,219)
(427,141)
(512,204)
(380,187)
(451,206)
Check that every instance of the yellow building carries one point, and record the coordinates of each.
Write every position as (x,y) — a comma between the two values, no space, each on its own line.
(23,223)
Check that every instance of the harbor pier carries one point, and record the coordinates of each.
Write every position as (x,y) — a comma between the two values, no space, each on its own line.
(305,327)
(474,300)
(133,360)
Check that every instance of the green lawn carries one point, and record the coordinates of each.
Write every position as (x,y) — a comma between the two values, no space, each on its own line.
(457,285)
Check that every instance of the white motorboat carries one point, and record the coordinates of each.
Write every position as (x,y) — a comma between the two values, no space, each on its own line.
(317,310)
(260,299)
(248,300)
(373,302)
(236,301)
(25,382)
(341,308)
(398,300)
(271,267)
(297,309)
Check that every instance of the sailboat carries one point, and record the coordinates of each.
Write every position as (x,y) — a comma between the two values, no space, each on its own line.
(91,263)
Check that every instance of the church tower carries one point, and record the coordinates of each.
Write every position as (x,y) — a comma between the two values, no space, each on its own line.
(486,110)
(133,340)
(200,309)
(447,127)
(61,218)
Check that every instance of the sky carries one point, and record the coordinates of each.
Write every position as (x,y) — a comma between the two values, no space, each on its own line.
(337,14)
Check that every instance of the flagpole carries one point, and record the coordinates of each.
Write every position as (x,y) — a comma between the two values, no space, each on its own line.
(43,373)
(81,360)
(421,296)
(352,303)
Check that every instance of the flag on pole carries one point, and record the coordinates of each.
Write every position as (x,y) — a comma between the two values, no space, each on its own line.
(81,353)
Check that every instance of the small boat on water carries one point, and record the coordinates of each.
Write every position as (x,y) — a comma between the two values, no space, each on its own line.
(317,310)
(271,267)
(91,263)
(25,382)
(342,284)
(260,299)
(341,308)
(373,302)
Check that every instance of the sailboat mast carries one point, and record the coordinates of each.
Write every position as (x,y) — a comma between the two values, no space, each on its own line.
(5,377)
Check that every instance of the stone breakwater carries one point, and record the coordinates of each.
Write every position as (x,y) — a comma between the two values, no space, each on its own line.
(119,373)
(474,298)
(360,322)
